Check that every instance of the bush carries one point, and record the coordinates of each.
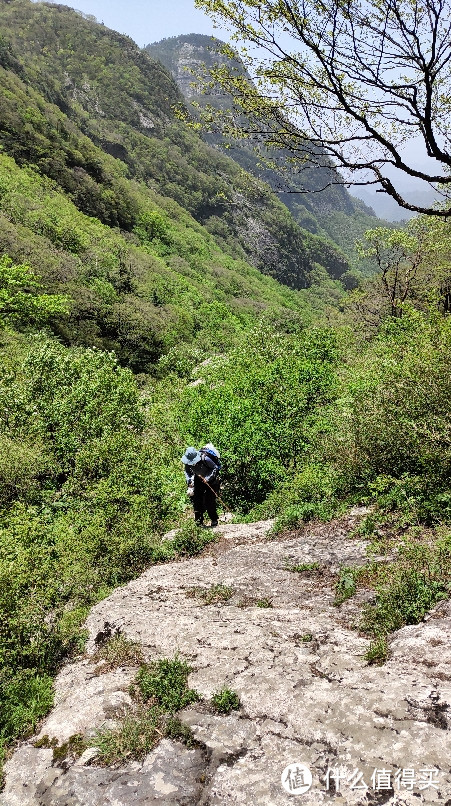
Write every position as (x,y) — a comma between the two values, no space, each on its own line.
(259,407)
(83,495)
(25,699)
(79,395)
(191,539)
(406,599)
(406,589)
(160,689)
(24,467)
(390,430)
(378,651)
(225,701)
(165,682)
(21,304)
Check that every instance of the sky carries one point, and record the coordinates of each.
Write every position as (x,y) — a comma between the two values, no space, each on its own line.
(149,20)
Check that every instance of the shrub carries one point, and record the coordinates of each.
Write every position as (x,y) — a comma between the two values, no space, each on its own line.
(26,698)
(259,406)
(404,599)
(79,395)
(389,434)
(21,303)
(225,701)
(165,682)
(191,539)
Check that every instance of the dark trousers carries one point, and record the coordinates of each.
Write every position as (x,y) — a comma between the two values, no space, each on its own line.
(204,499)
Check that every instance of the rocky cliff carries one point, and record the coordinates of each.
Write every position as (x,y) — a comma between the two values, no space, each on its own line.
(313,194)
(368,734)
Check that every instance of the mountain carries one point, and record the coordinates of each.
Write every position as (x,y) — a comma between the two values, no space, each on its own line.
(314,195)
(117,100)
(159,239)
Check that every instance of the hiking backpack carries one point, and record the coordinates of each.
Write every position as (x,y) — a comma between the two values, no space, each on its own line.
(212,453)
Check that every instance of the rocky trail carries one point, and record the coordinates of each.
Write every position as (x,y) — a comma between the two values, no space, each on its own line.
(307,694)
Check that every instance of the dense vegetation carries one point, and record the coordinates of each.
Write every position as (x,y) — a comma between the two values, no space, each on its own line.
(74,94)
(130,328)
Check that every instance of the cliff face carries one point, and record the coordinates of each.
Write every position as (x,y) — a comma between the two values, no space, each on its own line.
(306,694)
(312,194)
(186,57)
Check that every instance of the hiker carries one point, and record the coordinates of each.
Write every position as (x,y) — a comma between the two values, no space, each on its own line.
(202,477)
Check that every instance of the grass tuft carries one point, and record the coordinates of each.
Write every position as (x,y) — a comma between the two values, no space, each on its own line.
(160,689)
(116,652)
(253,601)
(378,651)
(215,594)
(302,568)
(137,734)
(225,701)
(165,683)
(265,602)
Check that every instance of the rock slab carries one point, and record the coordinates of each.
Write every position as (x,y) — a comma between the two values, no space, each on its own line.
(369,735)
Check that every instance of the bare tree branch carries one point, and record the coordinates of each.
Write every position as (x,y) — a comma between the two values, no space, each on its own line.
(346,83)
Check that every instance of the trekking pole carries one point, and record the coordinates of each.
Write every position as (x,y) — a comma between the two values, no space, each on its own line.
(216,494)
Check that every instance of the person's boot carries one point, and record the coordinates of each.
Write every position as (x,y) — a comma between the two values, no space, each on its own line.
(213,524)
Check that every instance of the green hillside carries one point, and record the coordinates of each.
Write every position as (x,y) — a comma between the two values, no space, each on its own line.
(313,194)
(141,312)
(108,97)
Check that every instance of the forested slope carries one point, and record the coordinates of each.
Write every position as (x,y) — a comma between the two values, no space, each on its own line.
(132,325)
(75,92)
(111,263)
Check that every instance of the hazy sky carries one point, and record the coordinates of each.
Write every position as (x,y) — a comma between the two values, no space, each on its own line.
(149,20)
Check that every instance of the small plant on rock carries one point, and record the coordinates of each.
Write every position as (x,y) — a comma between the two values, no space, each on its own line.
(253,601)
(302,568)
(217,594)
(72,748)
(134,737)
(116,652)
(347,583)
(378,651)
(265,602)
(176,730)
(225,701)
(165,682)
(160,689)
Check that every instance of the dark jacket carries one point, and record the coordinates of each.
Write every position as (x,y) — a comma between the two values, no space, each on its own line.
(207,468)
